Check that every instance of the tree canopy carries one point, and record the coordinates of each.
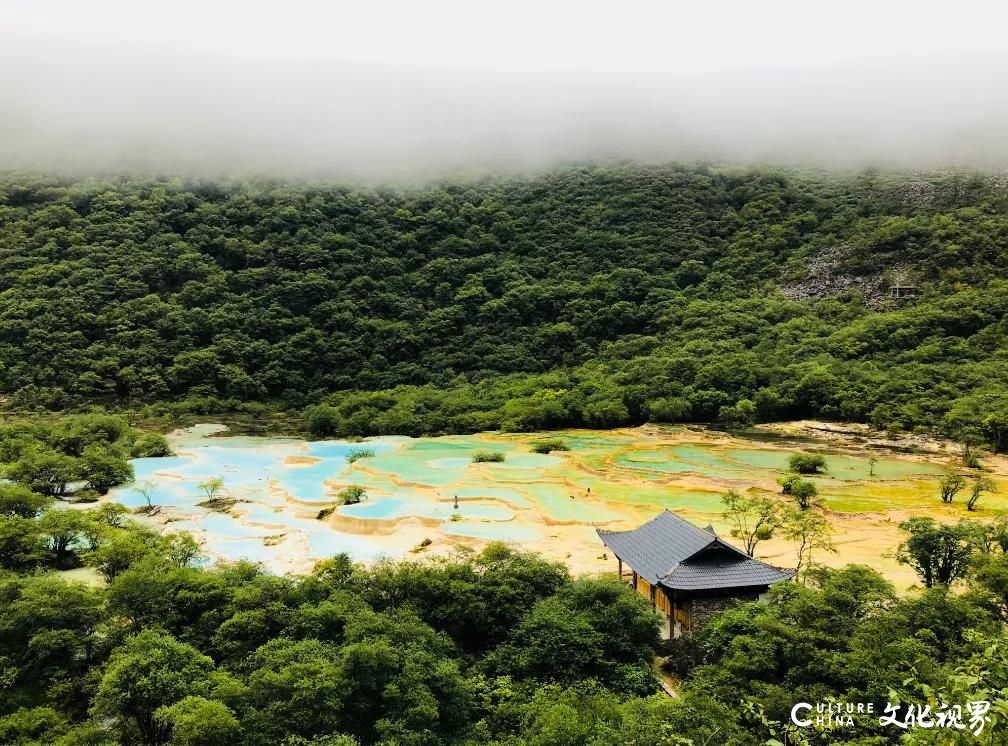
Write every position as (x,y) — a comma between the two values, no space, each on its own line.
(590,296)
(500,647)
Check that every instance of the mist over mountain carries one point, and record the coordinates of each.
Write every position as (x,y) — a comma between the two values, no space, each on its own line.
(360,98)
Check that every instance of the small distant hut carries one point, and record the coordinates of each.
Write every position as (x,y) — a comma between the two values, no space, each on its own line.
(688,573)
(902,291)
(901,285)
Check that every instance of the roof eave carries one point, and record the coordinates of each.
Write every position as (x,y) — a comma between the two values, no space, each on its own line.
(664,584)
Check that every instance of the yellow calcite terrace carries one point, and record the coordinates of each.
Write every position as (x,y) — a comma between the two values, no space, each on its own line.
(430,489)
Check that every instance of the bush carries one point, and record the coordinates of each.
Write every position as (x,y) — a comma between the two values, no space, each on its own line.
(807,463)
(151,445)
(549,445)
(803,491)
(85,495)
(352,494)
(355,454)
(485,457)
(606,413)
(323,421)
(675,409)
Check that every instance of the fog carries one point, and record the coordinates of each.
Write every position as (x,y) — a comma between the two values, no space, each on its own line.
(399,90)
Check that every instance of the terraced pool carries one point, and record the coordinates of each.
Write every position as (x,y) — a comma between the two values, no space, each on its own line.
(428,491)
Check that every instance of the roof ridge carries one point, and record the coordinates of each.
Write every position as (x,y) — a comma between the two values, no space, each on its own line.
(697,531)
(610,531)
(694,528)
(721,543)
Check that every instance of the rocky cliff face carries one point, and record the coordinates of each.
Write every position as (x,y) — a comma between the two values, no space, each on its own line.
(825,276)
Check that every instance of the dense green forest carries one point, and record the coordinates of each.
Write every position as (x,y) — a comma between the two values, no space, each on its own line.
(594,296)
(497,648)
(588,296)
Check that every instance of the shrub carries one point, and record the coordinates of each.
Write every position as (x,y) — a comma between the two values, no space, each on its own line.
(323,421)
(803,491)
(151,445)
(355,454)
(549,445)
(484,457)
(85,495)
(675,409)
(352,494)
(807,463)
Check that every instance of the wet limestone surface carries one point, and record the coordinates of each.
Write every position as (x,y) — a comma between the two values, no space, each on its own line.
(549,503)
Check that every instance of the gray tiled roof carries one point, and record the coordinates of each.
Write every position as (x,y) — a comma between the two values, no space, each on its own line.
(653,548)
(672,552)
(691,576)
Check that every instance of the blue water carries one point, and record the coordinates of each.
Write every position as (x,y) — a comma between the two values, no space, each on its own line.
(494,531)
(267,489)
(400,507)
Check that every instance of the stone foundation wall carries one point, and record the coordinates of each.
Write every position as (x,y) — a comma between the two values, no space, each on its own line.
(702,609)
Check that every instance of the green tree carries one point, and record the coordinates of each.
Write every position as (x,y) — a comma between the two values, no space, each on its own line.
(64,530)
(939,553)
(804,491)
(949,486)
(146,490)
(44,471)
(810,531)
(50,637)
(674,409)
(296,688)
(981,485)
(807,463)
(16,500)
(211,488)
(753,519)
(196,721)
(150,671)
(567,638)
(103,468)
(745,411)
(121,550)
(29,726)
(743,414)
(151,445)
(23,545)
(606,413)
(180,550)
(323,421)
(352,494)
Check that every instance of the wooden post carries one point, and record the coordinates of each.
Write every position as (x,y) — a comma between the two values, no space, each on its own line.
(619,567)
(653,604)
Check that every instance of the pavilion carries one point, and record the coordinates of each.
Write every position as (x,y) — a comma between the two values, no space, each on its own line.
(688,573)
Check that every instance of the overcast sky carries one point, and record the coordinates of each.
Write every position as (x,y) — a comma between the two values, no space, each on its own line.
(405,88)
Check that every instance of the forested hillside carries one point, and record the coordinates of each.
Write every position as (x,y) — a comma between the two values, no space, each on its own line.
(502,648)
(587,296)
